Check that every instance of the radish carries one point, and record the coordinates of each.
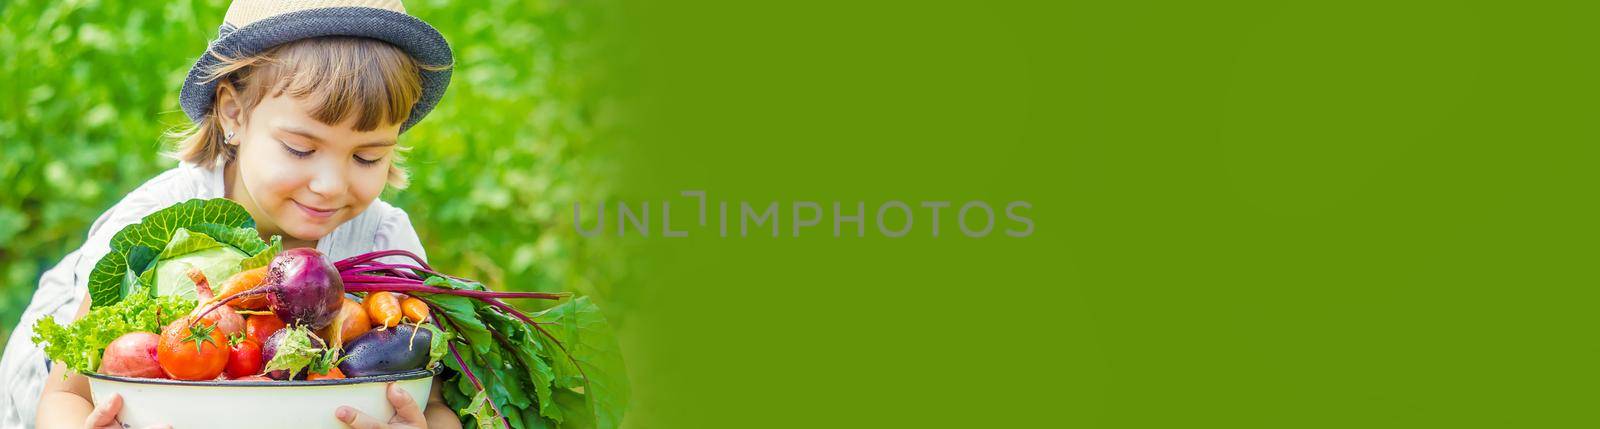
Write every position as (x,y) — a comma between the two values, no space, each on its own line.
(301,287)
(132,355)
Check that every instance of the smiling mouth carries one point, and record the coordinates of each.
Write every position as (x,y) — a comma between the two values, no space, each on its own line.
(313,211)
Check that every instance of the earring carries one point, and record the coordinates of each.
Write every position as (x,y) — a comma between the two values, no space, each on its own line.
(227,138)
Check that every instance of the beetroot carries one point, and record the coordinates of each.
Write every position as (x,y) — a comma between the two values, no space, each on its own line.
(270,349)
(132,355)
(302,289)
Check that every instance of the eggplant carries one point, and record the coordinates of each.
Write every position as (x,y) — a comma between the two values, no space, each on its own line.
(386,351)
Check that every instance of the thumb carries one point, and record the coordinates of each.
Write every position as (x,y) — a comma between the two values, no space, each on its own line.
(405,407)
(355,419)
(105,414)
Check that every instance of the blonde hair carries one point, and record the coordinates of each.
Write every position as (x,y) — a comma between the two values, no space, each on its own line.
(344,77)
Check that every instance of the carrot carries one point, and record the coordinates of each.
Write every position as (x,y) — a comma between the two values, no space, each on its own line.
(333,374)
(351,322)
(414,309)
(383,308)
(243,281)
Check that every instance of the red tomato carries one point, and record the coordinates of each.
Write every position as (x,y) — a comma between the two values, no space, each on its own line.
(192,352)
(260,326)
(244,358)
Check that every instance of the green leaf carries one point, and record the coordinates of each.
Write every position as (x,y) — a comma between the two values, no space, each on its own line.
(264,257)
(246,239)
(217,263)
(520,341)
(574,404)
(440,344)
(591,354)
(450,283)
(295,352)
(184,242)
(156,229)
(80,344)
(326,361)
(458,398)
(481,412)
(140,260)
(463,313)
(106,282)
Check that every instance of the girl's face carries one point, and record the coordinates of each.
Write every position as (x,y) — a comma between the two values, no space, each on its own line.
(302,178)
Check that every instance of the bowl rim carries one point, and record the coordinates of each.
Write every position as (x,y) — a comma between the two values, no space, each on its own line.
(399,376)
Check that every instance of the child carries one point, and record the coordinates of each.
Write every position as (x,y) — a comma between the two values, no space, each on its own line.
(297,108)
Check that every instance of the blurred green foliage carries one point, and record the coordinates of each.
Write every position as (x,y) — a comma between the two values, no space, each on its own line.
(88,87)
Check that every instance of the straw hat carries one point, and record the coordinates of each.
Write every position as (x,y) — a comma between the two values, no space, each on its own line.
(253,26)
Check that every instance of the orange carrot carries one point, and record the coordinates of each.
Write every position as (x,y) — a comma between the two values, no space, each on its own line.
(414,309)
(383,308)
(332,374)
(243,281)
(351,322)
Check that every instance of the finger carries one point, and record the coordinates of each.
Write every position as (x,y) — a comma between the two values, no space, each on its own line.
(405,407)
(105,413)
(356,419)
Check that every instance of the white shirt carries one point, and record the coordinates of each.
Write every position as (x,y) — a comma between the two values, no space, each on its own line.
(62,288)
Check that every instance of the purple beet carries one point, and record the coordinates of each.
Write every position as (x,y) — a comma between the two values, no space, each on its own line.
(302,288)
(270,349)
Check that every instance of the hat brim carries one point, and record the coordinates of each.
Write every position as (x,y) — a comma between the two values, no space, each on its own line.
(410,34)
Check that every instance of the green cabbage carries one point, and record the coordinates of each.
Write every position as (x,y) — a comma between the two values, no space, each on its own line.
(216,236)
(190,250)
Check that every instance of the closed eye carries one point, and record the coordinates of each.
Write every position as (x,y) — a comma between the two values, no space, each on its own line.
(296,153)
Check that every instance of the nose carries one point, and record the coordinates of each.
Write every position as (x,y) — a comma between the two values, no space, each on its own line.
(328,181)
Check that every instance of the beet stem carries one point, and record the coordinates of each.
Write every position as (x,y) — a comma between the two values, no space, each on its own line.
(221,302)
(383,272)
(358,259)
(415,271)
(361,286)
(468,371)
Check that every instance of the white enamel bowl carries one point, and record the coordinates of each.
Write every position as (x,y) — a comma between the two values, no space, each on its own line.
(255,404)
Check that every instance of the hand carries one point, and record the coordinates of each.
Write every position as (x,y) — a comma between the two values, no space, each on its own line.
(104,415)
(407,415)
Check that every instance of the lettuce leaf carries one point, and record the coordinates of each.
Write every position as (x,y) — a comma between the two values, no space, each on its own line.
(79,345)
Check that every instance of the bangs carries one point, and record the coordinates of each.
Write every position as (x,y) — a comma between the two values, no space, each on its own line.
(343,78)
(338,78)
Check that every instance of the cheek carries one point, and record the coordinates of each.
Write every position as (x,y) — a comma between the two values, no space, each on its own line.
(270,177)
(368,182)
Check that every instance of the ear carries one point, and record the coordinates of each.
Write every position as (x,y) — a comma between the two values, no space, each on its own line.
(228,110)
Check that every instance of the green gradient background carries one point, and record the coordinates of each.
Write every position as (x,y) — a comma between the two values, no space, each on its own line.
(1248,214)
